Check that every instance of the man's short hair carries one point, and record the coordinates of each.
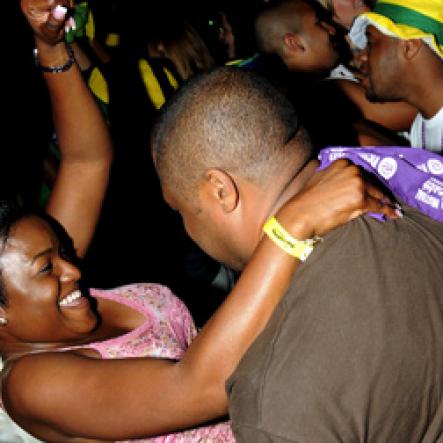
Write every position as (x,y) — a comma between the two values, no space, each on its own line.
(231,120)
(274,22)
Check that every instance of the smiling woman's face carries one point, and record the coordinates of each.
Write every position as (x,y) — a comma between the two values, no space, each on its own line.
(44,303)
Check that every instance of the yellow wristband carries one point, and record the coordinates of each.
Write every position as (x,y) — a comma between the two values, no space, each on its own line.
(300,249)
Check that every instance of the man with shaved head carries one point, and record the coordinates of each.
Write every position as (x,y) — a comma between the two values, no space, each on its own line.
(246,152)
(353,351)
(293,30)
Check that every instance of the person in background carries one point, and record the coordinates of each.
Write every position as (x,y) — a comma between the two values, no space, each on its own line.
(181,43)
(402,60)
(296,31)
(344,11)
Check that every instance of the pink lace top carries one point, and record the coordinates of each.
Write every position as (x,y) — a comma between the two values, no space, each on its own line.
(167,332)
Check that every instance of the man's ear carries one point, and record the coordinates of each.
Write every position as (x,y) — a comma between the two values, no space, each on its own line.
(221,188)
(411,48)
(293,42)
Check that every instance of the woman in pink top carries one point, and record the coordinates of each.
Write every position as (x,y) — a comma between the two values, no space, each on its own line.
(73,370)
(166,331)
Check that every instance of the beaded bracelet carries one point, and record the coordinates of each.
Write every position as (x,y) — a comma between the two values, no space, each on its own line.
(300,249)
(55,69)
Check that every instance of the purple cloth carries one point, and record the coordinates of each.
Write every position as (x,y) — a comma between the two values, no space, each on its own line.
(413,175)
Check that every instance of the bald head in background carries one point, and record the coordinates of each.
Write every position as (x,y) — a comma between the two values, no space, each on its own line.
(275,22)
(293,30)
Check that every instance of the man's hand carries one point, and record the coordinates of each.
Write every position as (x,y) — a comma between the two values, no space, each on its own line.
(330,198)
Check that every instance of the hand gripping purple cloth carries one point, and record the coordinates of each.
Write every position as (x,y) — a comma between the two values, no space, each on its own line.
(413,175)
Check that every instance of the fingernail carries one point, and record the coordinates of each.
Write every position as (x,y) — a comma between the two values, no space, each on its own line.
(59,12)
(72,24)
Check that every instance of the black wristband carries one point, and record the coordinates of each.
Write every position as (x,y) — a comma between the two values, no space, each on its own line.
(55,69)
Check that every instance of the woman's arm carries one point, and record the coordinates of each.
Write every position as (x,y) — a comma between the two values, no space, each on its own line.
(86,149)
(56,395)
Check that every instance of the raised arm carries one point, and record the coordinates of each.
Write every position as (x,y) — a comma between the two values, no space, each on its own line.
(85,145)
(133,398)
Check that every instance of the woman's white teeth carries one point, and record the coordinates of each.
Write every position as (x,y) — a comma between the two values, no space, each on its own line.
(70,298)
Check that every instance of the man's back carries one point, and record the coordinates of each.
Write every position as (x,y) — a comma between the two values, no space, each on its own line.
(353,352)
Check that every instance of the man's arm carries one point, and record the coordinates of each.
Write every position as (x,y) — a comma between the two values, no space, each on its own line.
(373,134)
(397,116)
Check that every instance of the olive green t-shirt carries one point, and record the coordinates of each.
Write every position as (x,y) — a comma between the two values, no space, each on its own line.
(354,351)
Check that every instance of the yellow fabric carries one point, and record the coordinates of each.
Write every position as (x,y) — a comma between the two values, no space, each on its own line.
(171,78)
(431,8)
(90,27)
(404,19)
(98,85)
(112,40)
(152,85)
(404,32)
(233,62)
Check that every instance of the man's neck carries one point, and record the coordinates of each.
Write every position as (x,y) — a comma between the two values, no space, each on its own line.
(260,204)
(432,109)
(295,185)
(427,91)
(428,102)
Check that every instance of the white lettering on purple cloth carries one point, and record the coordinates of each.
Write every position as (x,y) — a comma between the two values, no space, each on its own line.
(410,174)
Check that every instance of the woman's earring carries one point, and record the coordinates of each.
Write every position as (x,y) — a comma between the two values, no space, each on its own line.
(3,321)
